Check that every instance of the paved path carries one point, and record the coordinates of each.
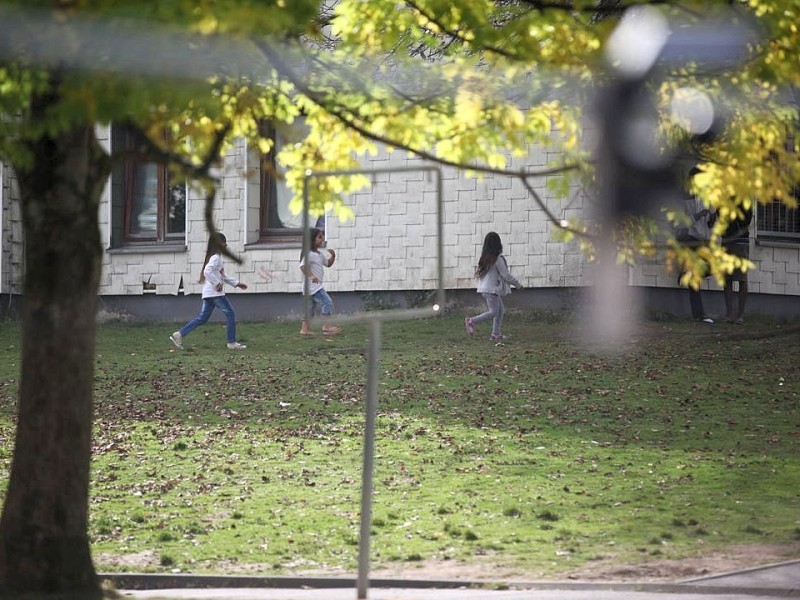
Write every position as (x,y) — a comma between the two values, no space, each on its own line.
(775,581)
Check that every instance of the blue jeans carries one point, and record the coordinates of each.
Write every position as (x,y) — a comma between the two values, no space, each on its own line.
(220,302)
(322,300)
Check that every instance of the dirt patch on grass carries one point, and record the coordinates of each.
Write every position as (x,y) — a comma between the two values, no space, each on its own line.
(135,561)
(734,558)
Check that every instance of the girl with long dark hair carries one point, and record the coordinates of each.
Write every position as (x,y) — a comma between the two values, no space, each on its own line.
(494,282)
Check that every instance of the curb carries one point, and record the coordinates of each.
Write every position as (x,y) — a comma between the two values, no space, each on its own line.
(747,571)
(152,581)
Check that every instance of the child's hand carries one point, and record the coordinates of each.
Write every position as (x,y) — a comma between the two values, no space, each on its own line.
(219,287)
(242,286)
(314,279)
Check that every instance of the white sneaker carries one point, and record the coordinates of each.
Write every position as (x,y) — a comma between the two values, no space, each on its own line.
(236,346)
(176,339)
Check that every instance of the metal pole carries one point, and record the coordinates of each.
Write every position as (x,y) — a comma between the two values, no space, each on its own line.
(439,240)
(306,247)
(374,321)
(369,458)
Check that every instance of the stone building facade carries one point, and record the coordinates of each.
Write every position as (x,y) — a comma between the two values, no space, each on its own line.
(388,248)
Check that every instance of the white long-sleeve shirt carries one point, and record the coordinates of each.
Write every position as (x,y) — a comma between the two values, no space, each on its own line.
(214,273)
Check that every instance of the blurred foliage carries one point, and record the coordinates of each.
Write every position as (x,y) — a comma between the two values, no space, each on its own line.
(470,83)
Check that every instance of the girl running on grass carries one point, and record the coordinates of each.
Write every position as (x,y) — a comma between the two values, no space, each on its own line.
(313,267)
(213,277)
(494,282)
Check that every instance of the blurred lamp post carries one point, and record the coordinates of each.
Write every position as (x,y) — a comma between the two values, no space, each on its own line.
(638,172)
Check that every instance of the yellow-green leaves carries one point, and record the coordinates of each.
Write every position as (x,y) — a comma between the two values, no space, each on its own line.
(328,147)
(778,59)
(468,108)
(477,84)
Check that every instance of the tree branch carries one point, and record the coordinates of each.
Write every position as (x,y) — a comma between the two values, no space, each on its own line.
(349,122)
(612,8)
(457,34)
(201,172)
(150,150)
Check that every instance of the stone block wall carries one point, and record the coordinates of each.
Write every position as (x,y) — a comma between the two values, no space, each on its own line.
(389,245)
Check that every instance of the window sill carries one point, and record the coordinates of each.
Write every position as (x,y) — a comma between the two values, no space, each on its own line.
(149,249)
(778,243)
(276,245)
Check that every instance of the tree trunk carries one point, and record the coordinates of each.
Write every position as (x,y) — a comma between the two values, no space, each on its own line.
(44,543)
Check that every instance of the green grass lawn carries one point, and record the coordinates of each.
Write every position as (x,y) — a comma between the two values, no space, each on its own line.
(536,455)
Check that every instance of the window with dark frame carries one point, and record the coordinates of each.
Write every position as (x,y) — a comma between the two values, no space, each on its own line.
(277,223)
(148,208)
(774,219)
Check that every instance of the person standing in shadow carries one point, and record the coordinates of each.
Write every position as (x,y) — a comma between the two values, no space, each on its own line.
(694,235)
(736,241)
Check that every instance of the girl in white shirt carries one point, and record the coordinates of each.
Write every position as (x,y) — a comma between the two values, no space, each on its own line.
(313,267)
(213,277)
(494,282)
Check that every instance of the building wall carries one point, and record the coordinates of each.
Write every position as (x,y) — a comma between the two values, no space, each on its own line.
(776,270)
(390,244)
(12,257)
